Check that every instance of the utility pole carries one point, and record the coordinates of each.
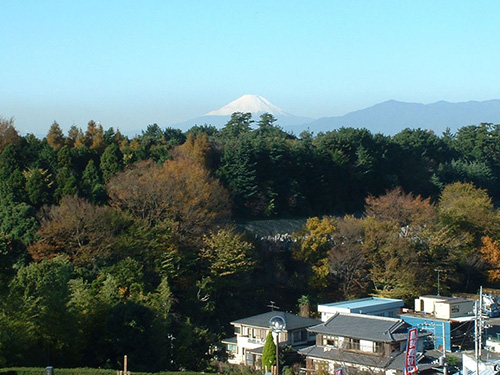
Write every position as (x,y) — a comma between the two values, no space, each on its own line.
(478,328)
(445,365)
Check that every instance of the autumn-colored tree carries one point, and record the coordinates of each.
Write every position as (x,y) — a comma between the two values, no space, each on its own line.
(75,138)
(467,214)
(55,136)
(396,269)
(225,260)
(196,148)
(180,192)
(8,133)
(94,137)
(76,228)
(346,258)
(402,208)
(313,246)
(490,250)
(467,208)
(226,253)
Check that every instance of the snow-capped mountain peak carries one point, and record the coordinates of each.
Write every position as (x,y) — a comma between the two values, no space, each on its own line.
(249,103)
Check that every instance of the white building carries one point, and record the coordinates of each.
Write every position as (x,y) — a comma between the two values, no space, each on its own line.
(488,364)
(444,307)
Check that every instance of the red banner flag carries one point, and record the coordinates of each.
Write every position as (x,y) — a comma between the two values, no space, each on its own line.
(411,352)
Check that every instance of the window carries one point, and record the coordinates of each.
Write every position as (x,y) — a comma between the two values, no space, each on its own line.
(299,336)
(379,347)
(455,308)
(354,344)
(237,329)
(331,341)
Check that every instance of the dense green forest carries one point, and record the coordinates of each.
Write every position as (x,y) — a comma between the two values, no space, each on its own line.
(113,246)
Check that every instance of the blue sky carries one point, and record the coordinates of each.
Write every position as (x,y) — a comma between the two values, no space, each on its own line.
(128,64)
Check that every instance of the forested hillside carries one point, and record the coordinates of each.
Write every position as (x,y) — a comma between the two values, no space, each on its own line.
(113,246)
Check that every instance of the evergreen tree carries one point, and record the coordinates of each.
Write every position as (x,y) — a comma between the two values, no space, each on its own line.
(92,187)
(269,352)
(66,183)
(111,161)
(38,184)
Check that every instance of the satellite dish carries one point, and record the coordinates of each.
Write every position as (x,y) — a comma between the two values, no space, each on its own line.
(277,323)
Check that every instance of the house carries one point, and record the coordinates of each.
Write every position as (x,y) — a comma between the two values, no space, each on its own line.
(444,316)
(372,306)
(250,336)
(360,343)
(487,364)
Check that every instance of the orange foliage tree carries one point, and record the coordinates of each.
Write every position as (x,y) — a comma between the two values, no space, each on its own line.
(180,192)
(75,228)
(490,250)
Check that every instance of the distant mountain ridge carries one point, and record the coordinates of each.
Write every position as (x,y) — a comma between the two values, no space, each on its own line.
(389,117)
(392,116)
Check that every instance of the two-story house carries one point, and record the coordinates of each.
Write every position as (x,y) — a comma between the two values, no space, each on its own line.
(250,336)
(360,344)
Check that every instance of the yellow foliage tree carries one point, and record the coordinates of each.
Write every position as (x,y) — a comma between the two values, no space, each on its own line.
(313,246)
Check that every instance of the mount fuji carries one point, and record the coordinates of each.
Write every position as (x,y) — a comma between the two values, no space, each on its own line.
(255,104)
(389,117)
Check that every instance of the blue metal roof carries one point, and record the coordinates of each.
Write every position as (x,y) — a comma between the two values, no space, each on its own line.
(363,302)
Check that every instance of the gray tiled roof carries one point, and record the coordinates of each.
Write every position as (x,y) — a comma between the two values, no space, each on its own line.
(292,321)
(230,340)
(362,326)
(346,357)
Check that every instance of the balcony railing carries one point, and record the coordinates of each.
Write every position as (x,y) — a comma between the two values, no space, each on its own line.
(256,341)
(357,347)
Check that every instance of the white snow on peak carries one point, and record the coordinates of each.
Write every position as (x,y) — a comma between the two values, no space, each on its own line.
(249,103)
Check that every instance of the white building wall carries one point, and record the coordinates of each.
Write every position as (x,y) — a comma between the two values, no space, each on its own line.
(493,345)
(366,346)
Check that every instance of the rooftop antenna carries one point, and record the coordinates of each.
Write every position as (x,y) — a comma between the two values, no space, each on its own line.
(272,306)
(438,271)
